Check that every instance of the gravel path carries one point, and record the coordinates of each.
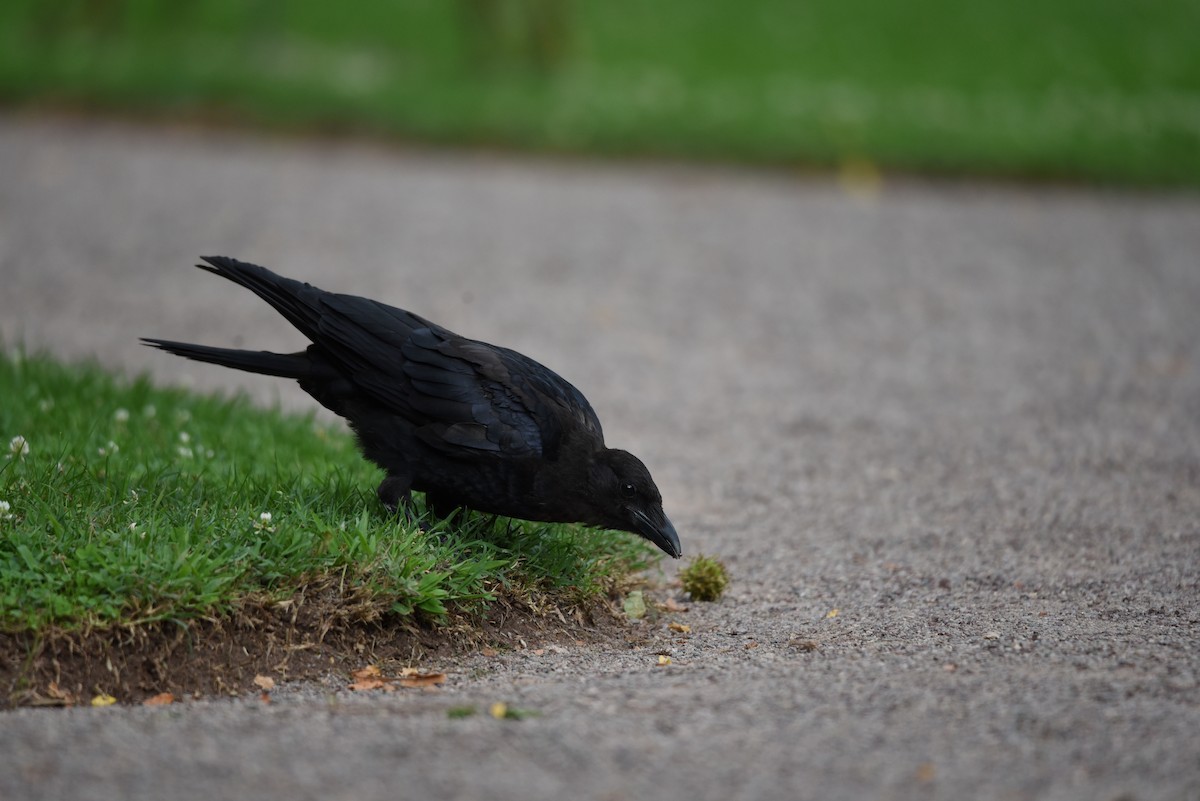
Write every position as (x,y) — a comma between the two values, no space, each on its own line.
(947,439)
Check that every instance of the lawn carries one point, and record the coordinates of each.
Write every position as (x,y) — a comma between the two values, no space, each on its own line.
(123,505)
(1102,90)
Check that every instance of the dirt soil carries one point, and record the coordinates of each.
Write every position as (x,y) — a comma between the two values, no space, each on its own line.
(317,635)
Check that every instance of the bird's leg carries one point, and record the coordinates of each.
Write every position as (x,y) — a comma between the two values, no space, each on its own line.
(394,491)
(441,506)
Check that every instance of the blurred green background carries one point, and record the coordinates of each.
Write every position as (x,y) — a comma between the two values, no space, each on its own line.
(1098,90)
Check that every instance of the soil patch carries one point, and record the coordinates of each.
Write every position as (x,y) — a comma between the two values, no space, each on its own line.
(317,632)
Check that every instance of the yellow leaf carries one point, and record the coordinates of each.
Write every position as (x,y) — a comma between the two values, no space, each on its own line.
(860,179)
(499,710)
(103,699)
(663,659)
(831,613)
(682,628)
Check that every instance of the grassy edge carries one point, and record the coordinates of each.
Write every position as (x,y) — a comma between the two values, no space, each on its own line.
(134,518)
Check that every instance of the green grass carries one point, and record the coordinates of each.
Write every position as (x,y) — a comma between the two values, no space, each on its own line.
(137,504)
(1087,89)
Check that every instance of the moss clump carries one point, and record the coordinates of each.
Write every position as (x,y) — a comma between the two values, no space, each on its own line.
(704,578)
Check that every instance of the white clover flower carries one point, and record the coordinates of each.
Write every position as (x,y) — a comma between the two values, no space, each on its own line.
(185,437)
(148,410)
(5,513)
(184,452)
(265,517)
(111,447)
(45,405)
(264,522)
(18,446)
(121,415)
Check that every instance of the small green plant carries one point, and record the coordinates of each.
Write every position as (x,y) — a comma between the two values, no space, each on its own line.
(704,578)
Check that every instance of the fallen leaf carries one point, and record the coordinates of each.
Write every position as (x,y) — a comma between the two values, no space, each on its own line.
(832,613)
(489,652)
(949,667)
(926,772)
(635,605)
(804,645)
(162,699)
(539,651)
(264,682)
(103,699)
(671,605)
(663,659)
(682,628)
(61,696)
(264,697)
(371,678)
(502,711)
(860,179)
(421,679)
(748,646)
(991,635)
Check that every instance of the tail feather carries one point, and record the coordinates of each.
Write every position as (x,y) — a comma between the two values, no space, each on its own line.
(285,365)
(293,299)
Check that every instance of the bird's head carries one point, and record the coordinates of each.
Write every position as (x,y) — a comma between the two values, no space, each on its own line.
(624,497)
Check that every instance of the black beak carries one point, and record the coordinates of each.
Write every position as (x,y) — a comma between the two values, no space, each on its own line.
(663,535)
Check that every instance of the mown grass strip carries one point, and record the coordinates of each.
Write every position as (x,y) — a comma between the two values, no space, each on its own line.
(124,503)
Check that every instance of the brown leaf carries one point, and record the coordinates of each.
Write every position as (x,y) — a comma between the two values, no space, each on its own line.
(60,696)
(488,651)
(422,679)
(264,697)
(804,645)
(926,772)
(750,645)
(371,678)
(264,682)
(682,628)
(162,699)
(671,605)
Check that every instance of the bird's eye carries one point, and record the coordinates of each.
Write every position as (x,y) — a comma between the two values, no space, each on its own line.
(628,490)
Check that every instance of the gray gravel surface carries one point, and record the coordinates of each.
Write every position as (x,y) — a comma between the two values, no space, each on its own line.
(965,417)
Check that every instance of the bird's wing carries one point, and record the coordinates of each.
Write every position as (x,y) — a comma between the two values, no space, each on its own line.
(464,397)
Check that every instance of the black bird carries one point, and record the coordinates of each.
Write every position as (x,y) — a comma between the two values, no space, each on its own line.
(471,425)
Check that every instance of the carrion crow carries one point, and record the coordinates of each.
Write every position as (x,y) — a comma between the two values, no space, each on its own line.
(471,425)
